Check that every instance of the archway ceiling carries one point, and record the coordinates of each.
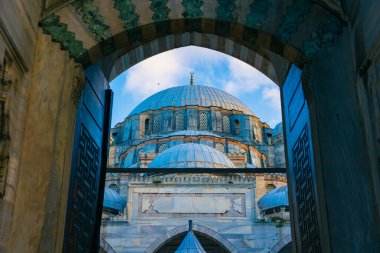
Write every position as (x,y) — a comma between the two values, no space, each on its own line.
(92,30)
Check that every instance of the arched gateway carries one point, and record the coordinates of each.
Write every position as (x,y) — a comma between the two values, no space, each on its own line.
(54,115)
(181,230)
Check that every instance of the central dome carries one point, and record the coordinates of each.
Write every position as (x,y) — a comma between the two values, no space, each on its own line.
(191,155)
(199,95)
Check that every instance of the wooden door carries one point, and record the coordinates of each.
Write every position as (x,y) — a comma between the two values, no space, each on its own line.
(301,173)
(88,164)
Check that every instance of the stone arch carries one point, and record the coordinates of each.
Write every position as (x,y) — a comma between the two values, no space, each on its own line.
(105,247)
(146,126)
(281,244)
(210,41)
(252,46)
(114,187)
(127,48)
(122,26)
(183,229)
(269,187)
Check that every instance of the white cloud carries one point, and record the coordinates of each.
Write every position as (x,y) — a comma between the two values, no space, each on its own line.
(272,95)
(244,78)
(273,98)
(142,79)
(211,68)
(168,69)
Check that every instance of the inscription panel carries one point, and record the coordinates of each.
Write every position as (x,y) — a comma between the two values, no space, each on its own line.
(199,204)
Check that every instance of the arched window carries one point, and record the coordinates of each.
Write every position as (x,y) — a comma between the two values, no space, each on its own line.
(270,187)
(114,187)
(219,147)
(237,126)
(157,124)
(179,122)
(226,124)
(162,148)
(146,126)
(203,121)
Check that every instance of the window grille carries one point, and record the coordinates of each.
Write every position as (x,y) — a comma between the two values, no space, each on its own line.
(237,127)
(270,187)
(162,148)
(226,124)
(219,147)
(203,124)
(146,126)
(114,187)
(157,124)
(179,122)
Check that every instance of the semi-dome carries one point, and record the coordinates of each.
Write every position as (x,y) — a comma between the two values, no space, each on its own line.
(199,95)
(275,198)
(191,155)
(113,201)
(278,130)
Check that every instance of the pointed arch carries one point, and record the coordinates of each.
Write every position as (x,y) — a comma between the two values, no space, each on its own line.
(159,242)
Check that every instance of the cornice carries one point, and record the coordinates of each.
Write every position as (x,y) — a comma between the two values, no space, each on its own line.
(228,180)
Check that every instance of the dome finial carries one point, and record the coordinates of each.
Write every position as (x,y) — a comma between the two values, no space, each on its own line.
(191,78)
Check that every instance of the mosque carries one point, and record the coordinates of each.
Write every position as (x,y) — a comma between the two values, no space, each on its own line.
(194,126)
(206,121)
(57,59)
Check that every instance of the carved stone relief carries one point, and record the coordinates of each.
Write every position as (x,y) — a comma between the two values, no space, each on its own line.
(78,83)
(199,204)
(5,83)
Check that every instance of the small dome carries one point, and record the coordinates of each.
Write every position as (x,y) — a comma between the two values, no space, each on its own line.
(113,201)
(191,155)
(278,130)
(275,198)
(198,95)
(191,133)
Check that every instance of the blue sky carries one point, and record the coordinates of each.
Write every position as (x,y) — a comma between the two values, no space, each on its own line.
(211,68)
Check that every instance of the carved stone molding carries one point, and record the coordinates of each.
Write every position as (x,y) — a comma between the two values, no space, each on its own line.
(5,84)
(78,83)
(178,179)
(334,6)
(196,204)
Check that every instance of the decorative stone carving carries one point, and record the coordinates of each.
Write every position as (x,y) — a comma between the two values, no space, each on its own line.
(191,179)
(5,83)
(78,83)
(238,207)
(181,203)
(145,205)
(199,204)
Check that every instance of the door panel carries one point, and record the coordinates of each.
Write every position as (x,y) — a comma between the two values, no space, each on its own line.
(85,177)
(302,183)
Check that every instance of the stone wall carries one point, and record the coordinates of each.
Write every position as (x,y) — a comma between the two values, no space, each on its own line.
(244,236)
(344,165)
(17,39)
(41,193)
(223,205)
